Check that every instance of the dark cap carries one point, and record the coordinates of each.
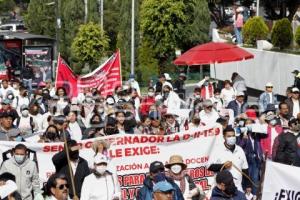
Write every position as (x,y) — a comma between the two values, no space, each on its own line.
(270,107)
(60,119)
(224,177)
(154,115)
(156,166)
(6,114)
(295,72)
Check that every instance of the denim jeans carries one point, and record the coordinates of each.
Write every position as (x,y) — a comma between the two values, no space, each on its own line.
(254,173)
(28,84)
(238,34)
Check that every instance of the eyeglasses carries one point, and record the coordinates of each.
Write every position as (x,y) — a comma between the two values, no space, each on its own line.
(208,107)
(269,87)
(61,187)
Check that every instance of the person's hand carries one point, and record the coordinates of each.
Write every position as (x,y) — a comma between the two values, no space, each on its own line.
(228,165)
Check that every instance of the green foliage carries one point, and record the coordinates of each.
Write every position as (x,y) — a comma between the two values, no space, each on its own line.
(255,29)
(7,5)
(93,11)
(90,44)
(282,33)
(40,17)
(297,36)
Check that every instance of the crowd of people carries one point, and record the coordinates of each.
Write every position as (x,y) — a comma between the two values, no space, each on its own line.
(47,114)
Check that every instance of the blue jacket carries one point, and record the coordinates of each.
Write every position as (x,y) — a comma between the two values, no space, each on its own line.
(264,100)
(146,192)
(217,194)
(235,107)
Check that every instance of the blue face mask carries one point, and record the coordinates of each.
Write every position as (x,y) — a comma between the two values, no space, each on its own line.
(161,176)
(19,139)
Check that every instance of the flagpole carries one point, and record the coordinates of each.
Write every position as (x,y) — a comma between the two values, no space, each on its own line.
(56,71)
(132,38)
(120,65)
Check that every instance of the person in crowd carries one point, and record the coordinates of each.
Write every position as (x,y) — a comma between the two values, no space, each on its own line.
(15,83)
(172,125)
(157,174)
(288,150)
(227,155)
(76,127)
(57,187)
(120,119)
(38,99)
(239,84)
(144,127)
(238,22)
(168,78)
(159,84)
(50,135)
(208,116)
(95,129)
(163,191)
(147,102)
(36,116)
(283,115)
(217,101)
(179,87)
(294,102)
(11,97)
(22,98)
(207,88)
(27,76)
(7,131)
(195,122)
(177,171)
(135,99)
(61,125)
(25,122)
(6,107)
(227,93)
(239,105)
(170,99)
(63,100)
(82,95)
(25,171)
(296,79)
(102,178)
(268,97)
(79,166)
(8,180)
(226,188)
(134,84)
(5,88)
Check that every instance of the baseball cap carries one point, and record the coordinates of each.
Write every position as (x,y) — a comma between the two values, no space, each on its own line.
(6,102)
(224,177)
(163,186)
(295,72)
(156,166)
(269,84)
(295,90)
(100,159)
(207,103)
(240,94)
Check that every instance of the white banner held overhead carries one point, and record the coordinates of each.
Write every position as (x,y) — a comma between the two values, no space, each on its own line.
(282,182)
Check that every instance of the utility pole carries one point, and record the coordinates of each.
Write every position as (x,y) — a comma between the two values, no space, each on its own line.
(132,37)
(100,10)
(85,11)
(58,26)
(257,8)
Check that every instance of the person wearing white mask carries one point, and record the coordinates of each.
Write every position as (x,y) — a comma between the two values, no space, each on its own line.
(177,171)
(25,171)
(100,178)
(231,157)
(25,122)
(218,103)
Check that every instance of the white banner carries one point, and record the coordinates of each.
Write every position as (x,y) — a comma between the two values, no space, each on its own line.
(282,182)
(132,155)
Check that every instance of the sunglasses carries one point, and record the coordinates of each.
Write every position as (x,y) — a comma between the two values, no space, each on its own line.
(269,87)
(209,107)
(61,187)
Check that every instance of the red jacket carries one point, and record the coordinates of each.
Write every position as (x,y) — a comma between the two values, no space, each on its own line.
(145,105)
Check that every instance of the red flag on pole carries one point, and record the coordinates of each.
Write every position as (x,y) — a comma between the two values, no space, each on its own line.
(66,78)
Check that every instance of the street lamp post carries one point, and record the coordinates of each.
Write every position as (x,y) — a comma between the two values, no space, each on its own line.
(132,38)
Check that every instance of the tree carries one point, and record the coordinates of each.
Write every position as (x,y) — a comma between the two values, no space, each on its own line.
(286,8)
(93,11)
(282,33)
(90,44)
(7,5)
(255,29)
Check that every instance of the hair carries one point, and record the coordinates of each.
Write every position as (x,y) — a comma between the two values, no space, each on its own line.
(7,176)
(96,144)
(282,103)
(234,75)
(228,129)
(227,82)
(20,146)
(94,116)
(52,183)
(217,90)
(56,130)
(65,92)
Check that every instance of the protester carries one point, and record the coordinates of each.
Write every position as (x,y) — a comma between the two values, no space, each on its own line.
(157,174)
(227,93)
(297,79)
(218,103)
(179,86)
(283,115)
(172,125)
(76,126)
(239,105)
(226,188)
(25,171)
(25,122)
(50,135)
(294,103)
(159,85)
(177,171)
(7,131)
(102,178)
(208,115)
(27,76)
(163,191)
(239,84)
(134,84)
(147,102)
(207,88)
(5,88)
(268,97)
(170,99)
(79,166)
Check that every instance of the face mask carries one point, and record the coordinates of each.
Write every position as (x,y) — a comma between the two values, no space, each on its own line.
(101,169)
(11,97)
(197,96)
(231,141)
(161,176)
(110,131)
(166,95)
(101,110)
(51,135)
(74,155)
(89,100)
(217,96)
(25,113)
(176,169)
(150,94)
(19,158)
(273,122)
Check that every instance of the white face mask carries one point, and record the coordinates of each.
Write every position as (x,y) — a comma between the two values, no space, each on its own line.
(217,96)
(231,140)
(176,169)
(101,169)
(150,94)
(197,96)
(19,158)
(101,110)
(25,113)
(89,100)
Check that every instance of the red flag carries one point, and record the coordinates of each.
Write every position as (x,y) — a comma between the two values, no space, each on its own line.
(66,78)
(105,78)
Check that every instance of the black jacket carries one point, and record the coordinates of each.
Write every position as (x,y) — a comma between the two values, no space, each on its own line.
(61,166)
(27,73)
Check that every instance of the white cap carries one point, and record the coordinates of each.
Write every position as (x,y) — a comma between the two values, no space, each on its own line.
(74,100)
(100,159)
(7,189)
(269,84)
(168,78)
(295,89)
(240,9)
(240,94)
(168,84)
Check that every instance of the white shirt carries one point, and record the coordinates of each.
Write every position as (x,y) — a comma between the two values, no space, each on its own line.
(221,154)
(75,131)
(187,188)
(100,188)
(208,118)
(4,91)
(37,119)
(296,108)
(227,95)
(271,97)
(74,166)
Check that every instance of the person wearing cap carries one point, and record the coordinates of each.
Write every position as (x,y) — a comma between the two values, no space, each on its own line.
(239,84)
(287,151)
(157,174)
(170,99)
(268,97)
(208,116)
(11,97)
(7,131)
(62,126)
(227,155)
(179,87)
(159,85)
(238,23)
(294,102)
(172,125)
(79,166)
(22,98)
(6,107)
(297,79)
(163,191)
(25,171)
(25,122)
(101,184)
(207,88)
(177,171)
(226,188)
(134,84)
(238,105)
(147,102)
